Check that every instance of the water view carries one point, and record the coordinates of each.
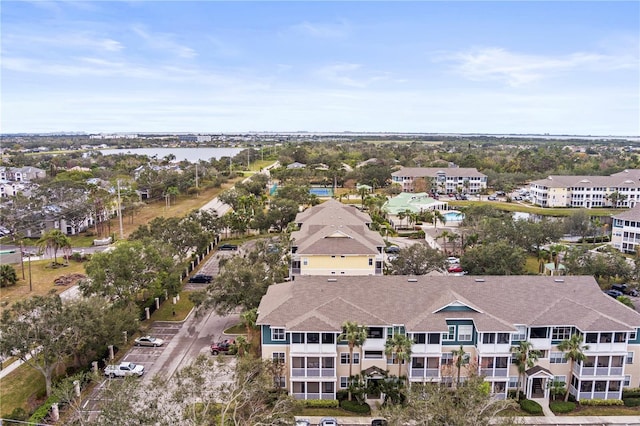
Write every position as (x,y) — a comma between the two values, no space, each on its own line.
(193,155)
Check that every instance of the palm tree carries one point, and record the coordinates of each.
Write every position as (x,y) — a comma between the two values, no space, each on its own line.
(573,351)
(460,357)
(8,276)
(444,235)
(525,358)
(55,240)
(401,216)
(400,346)
(355,335)
(438,216)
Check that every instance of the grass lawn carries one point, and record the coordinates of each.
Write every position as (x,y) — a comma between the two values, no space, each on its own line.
(181,309)
(19,388)
(527,208)
(614,410)
(532,265)
(329,412)
(236,329)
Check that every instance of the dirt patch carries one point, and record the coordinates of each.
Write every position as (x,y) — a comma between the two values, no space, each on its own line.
(70,279)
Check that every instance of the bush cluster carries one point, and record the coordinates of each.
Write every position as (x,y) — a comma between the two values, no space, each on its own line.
(355,407)
(631,402)
(531,407)
(631,393)
(321,403)
(342,394)
(562,407)
(601,402)
(43,411)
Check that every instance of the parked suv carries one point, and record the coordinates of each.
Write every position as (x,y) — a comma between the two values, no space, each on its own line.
(624,288)
(223,346)
(201,278)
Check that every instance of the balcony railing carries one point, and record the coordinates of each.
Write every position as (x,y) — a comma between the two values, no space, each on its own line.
(425,372)
(494,372)
(314,396)
(597,371)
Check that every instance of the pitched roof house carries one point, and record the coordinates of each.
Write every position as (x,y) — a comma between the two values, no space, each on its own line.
(487,316)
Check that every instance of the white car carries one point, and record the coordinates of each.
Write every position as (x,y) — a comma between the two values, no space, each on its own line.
(453,260)
(149,341)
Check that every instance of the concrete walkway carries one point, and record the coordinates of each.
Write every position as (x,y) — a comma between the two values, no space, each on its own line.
(544,403)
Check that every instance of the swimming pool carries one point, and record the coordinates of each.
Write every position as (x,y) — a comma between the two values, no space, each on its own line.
(321,192)
(453,216)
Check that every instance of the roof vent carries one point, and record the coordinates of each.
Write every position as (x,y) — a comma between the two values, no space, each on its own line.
(412,280)
(559,280)
(332,280)
(479,280)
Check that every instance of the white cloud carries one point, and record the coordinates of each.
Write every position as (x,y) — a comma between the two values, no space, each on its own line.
(164,42)
(350,75)
(518,69)
(322,29)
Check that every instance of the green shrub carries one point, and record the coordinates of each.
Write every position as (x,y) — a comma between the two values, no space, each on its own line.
(531,407)
(601,402)
(562,407)
(630,393)
(513,394)
(18,413)
(355,407)
(321,403)
(342,394)
(39,415)
(631,402)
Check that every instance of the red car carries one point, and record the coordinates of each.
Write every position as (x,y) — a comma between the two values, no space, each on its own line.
(455,268)
(223,346)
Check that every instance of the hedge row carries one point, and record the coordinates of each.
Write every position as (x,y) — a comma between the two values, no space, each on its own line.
(321,403)
(531,407)
(631,402)
(601,402)
(631,393)
(562,407)
(43,411)
(355,407)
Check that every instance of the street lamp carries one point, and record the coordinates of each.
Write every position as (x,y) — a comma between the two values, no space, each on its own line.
(30,284)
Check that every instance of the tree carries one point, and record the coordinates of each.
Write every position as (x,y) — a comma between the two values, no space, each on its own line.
(524,358)
(37,331)
(460,359)
(355,335)
(281,212)
(432,404)
(616,198)
(54,239)
(494,259)
(8,276)
(573,351)
(418,259)
(399,346)
(578,223)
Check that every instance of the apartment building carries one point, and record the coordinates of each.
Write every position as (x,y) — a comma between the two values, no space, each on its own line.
(335,239)
(443,180)
(625,230)
(300,323)
(587,191)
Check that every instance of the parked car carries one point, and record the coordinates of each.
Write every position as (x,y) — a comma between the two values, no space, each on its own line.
(379,422)
(223,346)
(201,278)
(624,288)
(392,249)
(492,198)
(124,369)
(328,421)
(228,247)
(149,341)
(303,422)
(614,293)
(453,260)
(455,268)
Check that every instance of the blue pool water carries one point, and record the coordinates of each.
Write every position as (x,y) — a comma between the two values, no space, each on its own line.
(453,216)
(321,192)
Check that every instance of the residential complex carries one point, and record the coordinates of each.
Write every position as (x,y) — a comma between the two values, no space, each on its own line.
(335,239)
(625,230)
(444,180)
(618,190)
(485,315)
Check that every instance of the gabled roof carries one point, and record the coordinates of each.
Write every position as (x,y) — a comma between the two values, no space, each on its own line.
(633,214)
(434,171)
(499,303)
(628,178)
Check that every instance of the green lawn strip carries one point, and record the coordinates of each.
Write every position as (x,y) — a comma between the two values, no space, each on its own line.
(527,208)
(18,387)
(236,329)
(167,308)
(614,410)
(329,412)
(532,265)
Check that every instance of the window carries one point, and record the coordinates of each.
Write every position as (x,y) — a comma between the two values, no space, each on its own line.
(538,333)
(297,337)
(605,337)
(488,338)
(278,357)
(305,261)
(465,333)
(447,358)
(277,334)
(503,338)
(620,337)
(370,262)
(521,334)
(328,338)
(280,382)
(327,387)
(591,338)
(372,354)
(514,382)
(561,333)
(356,358)
(557,358)
(451,335)
(344,358)
(627,381)
(629,359)
(344,382)
(560,379)
(632,335)
(328,362)
(313,337)
(375,333)
(419,338)
(433,338)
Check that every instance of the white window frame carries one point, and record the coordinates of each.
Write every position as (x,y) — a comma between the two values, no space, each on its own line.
(514,382)
(629,358)
(626,382)
(464,331)
(560,379)
(344,382)
(561,332)
(344,358)
(356,358)
(276,332)
(521,334)
(557,358)
(450,335)
(278,357)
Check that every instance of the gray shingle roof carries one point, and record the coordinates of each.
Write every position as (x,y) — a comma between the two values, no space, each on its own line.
(313,303)
(627,179)
(433,172)
(633,214)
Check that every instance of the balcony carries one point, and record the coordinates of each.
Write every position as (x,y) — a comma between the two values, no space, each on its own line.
(494,372)
(541,344)
(373,344)
(422,348)
(314,396)
(425,373)
(314,348)
(582,371)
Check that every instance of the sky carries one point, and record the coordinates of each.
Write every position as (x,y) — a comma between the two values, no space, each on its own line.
(387,66)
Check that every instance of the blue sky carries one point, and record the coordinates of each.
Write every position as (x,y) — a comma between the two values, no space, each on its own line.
(206,66)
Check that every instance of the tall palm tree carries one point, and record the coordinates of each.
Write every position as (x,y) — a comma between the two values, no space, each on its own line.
(355,335)
(573,351)
(54,239)
(525,358)
(460,357)
(400,346)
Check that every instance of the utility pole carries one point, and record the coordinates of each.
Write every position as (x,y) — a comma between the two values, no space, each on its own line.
(22,258)
(196,175)
(120,212)
(30,286)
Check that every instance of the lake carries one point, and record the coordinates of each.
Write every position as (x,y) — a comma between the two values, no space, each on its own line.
(193,155)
